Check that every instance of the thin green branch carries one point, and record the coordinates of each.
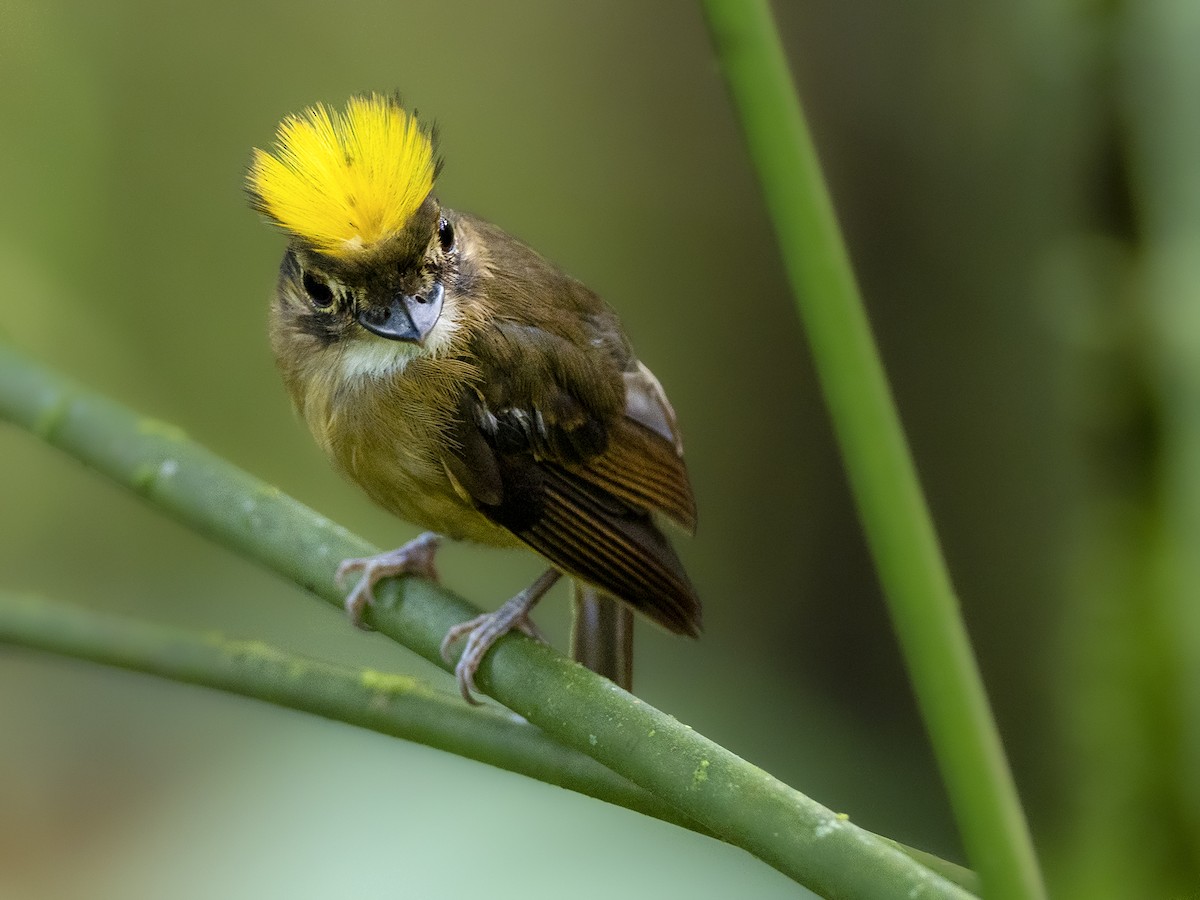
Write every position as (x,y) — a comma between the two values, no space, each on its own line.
(895,517)
(396,705)
(1159,74)
(737,801)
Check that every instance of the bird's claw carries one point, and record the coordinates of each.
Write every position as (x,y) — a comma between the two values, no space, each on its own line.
(417,557)
(484,630)
(481,633)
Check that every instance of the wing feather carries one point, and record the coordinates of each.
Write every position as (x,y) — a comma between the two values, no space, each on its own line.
(545,448)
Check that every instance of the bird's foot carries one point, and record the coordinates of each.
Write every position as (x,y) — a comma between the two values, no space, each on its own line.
(414,558)
(483,631)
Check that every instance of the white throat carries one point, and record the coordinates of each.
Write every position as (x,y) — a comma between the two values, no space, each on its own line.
(379,357)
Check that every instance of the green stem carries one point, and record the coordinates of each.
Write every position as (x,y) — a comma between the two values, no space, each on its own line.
(396,705)
(895,517)
(738,802)
(1159,76)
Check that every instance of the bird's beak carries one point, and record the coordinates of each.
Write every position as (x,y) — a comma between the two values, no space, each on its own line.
(407,318)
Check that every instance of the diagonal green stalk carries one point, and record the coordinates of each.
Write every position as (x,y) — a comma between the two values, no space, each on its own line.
(736,801)
(397,705)
(1159,75)
(896,519)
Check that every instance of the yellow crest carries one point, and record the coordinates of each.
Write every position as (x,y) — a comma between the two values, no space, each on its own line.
(343,182)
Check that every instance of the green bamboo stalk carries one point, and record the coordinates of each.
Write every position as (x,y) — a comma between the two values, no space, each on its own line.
(898,526)
(397,705)
(738,802)
(1159,76)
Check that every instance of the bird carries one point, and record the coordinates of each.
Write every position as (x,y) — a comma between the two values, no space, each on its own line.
(468,385)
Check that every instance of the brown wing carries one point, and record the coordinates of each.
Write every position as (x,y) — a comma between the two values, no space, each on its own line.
(548,446)
(643,460)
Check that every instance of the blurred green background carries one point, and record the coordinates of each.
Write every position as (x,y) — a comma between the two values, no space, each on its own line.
(1020,188)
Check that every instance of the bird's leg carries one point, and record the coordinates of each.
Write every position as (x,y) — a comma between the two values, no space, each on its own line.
(483,631)
(414,558)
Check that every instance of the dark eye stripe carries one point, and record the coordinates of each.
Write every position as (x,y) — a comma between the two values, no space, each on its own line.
(290,268)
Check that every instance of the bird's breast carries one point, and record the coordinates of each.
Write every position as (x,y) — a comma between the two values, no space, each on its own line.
(390,436)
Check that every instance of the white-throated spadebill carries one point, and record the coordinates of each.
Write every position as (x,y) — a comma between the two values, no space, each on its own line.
(465,383)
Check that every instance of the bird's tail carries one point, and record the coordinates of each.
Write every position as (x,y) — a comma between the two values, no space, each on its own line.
(602,634)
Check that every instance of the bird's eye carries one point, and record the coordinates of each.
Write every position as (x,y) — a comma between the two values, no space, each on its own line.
(318,291)
(446,235)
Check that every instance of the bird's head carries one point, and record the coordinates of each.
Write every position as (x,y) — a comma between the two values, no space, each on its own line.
(363,281)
